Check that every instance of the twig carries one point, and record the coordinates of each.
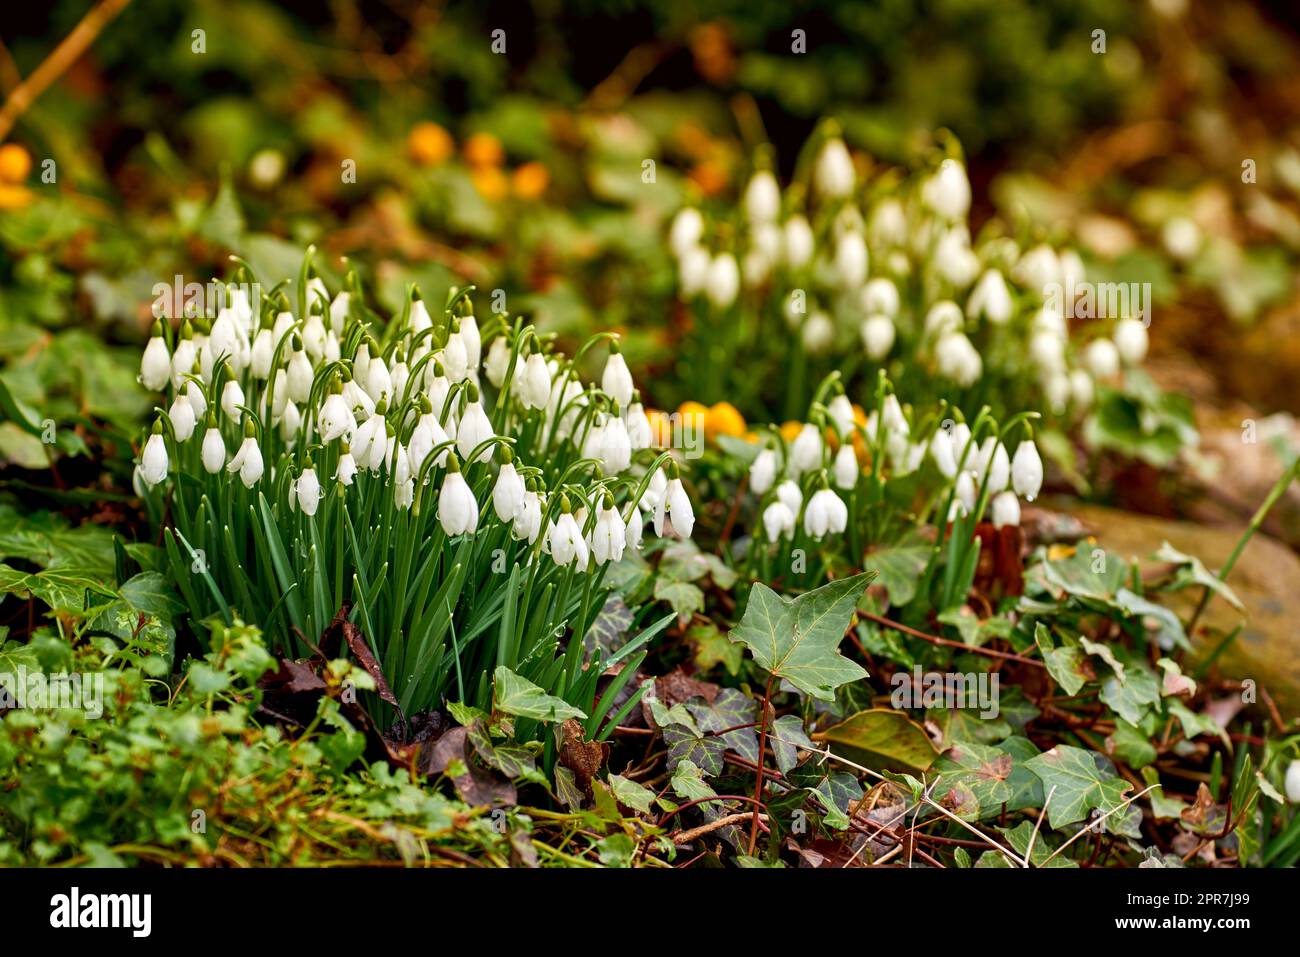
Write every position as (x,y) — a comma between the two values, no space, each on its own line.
(1029,850)
(948,642)
(686,837)
(1097,823)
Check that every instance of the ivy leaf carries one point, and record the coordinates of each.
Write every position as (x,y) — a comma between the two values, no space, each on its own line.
(629,793)
(881,738)
(1192,572)
(982,770)
(899,568)
(798,640)
(730,708)
(520,697)
(835,793)
(1018,839)
(1133,690)
(686,744)
(682,597)
(1067,665)
(1081,786)
(688,782)
(787,737)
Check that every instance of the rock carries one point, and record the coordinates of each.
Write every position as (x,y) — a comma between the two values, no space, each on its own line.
(1266,578)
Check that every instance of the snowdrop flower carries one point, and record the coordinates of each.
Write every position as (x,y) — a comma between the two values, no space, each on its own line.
(947,191)
(403,484)
(378,381)
(994,465)
(304,493)
(336,419)
(1072,271)
(508,492)
(723,280)
(888,224)
(156,364)
(892,416)
(1056,391)
(339,311)
(686,231)
(958,360)
(438,390)
(1181,237)
(1082,391)
(535,387)
(762,197)
(354,397)
(473,342)
(941,450)
(616,380)
(613,448)
(990,299)
(1102,358)
(966,492)
(225,341)
(427,434)
(263,353)
(675,505)
(314,336)
(400,375)
(635,529)
(497,363)
(964,457)
(475,428)
(638,425)
(840,409)
(1292,782)
(609,536)
(198,401)
(528,520)
(789,495)
(1131,340)
(846,467)
(942,318)
(877,337)
(818,333)
(300,373)
(567,546)
(455,358)
(693,272)
(762,472)
(954,259)
(1006,509)
(778,520)
(370,440)
(880,296)
(797,242)
(457,510)
(1039,269)
(153,460)
(184,356)
(247,460)
(213,452)
(833,174)
(347,467)
(1047,350)
(806,449)
(826,514)
(1026,471)
(851,259)
(182,417)
(290,422)
(232,397)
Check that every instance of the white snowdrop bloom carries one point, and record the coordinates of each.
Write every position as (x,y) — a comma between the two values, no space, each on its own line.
(1181,237)
(954,259)
(1082,390)
(156,364)
(608,536)
(527,522)
(223,340)
(305,491)
(723,282)
(314,336)
(877,337)
(153,460)
(457,509)
(473,341)
(370,442)
(400,375)
(198,401)
(1047,350)
(508,493)
(1102,358)
(1292,781)
(892,415)
(1072,271)
(232,397)
(378,382)
(403,483)
(300,376)
(762,197)
(426,435)
(346,470)
(947,191)
(535,384)
(635,529)
(1039,269)
(241,309)
(1056,390)
(1051,319)
(262,354)
(958,360)
(941,450)
(283,323)
(333,350)
(846,467)
(994,465)
(840,409)
(1131,340)
(289,423)
(317,291)
(762,471)
(833,174)
(888,224)
(880,296)
(778,520)
(438,391)
(806,449)
(455,358)
(475,428)
(183,419)
(942,318)
(184,356)
(851,260)
(565,407)
(339,311)
(497,363)
(279,394)
(616,380)
(797,242)
(789,495)
(1006,509)
(966,491)
(1026,471)
(686,231)
(638,427)
(567,546)
(990,299)
(755,269)
(654,491)
(826,514)
(817,334)
(247,461)
(615,446)
(693,271)
(675,505)
(355,398)
(213,452)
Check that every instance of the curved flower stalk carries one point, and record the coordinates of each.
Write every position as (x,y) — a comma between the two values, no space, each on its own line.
(885,274)
(460,489)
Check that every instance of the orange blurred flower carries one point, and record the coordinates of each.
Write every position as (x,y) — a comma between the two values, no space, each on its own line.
(711,176)
(530,180)
(661,428)
(484,150)
(723,419)
(490,182)
(711,48)
(429,144)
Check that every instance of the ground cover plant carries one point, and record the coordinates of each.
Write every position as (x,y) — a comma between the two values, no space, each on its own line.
(699,464)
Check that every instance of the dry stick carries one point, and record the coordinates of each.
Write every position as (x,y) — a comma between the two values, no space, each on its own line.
(1029,851)
(1097,823)
(54,65)
(686,837)
(936,640)
(762,758)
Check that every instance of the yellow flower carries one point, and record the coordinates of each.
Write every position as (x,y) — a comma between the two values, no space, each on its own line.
(490,182)
(15,163)
(483,150)
(530,180)
(429,144)
(723,419)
